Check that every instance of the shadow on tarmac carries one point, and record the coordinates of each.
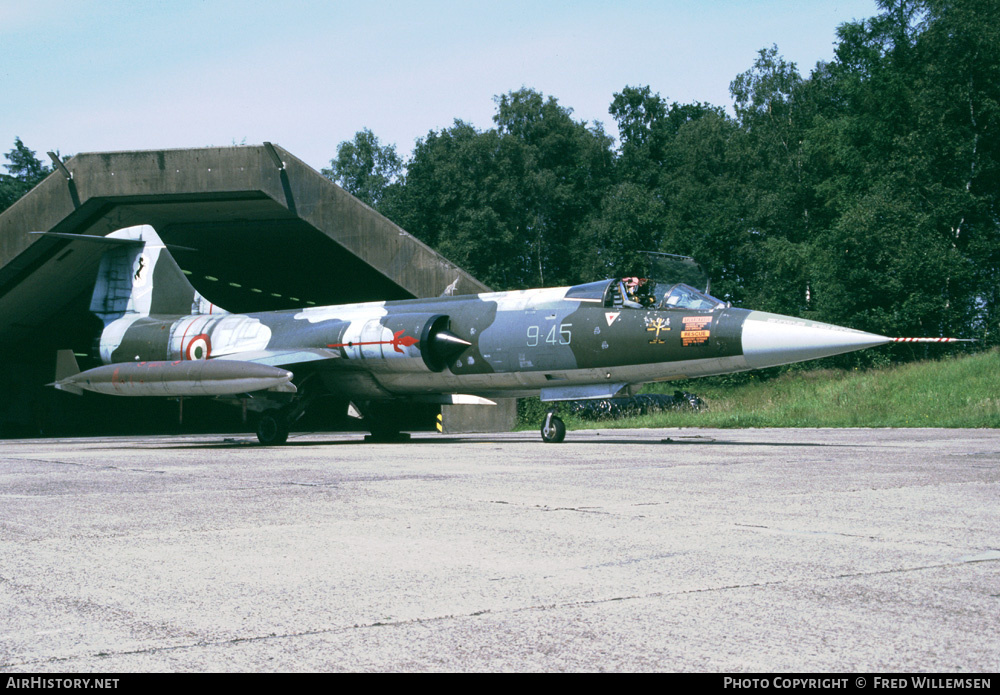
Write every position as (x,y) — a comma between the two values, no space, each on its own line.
(251,443)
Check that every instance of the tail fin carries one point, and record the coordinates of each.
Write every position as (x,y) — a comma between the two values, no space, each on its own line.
(66,367)
(140,277)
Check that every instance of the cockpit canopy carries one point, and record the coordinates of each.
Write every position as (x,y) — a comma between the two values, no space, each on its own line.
(643,293)
(681,296)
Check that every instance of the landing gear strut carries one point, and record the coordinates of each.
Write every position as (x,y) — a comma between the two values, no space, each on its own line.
(274,423)
(553,429)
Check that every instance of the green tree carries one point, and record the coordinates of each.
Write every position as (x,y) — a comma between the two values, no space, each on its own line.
(365,168)
(705,203)
(773,115)
(613,241)
(508,203)
(648,129)
(26,172)
(913,244)
(565,167)
(955,152)
(460,197)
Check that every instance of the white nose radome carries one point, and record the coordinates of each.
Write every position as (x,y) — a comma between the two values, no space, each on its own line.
(770,340)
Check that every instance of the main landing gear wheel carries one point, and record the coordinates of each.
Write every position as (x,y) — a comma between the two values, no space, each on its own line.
(387,437)
(553,429)
(384,421)
(272,428)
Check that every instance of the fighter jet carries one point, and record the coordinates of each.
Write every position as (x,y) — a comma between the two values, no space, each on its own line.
(597,340)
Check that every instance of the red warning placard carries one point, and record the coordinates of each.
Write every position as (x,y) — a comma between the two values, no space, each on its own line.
(697,330)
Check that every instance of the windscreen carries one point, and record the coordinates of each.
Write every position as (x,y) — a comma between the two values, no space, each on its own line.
(682,296)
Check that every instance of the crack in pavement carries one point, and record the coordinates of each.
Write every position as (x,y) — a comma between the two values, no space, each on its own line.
(990,556)
(93,466)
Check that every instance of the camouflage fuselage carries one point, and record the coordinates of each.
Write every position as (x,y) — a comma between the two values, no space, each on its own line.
(560,342)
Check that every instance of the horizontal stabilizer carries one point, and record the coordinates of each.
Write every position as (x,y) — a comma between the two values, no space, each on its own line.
(93,237)
(107,240)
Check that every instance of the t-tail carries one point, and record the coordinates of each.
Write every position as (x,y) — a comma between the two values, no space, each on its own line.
(138,277)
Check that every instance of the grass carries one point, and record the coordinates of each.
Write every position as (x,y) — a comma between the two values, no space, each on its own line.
(954,392)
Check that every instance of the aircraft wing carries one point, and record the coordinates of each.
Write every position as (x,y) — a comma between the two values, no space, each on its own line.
(281,358)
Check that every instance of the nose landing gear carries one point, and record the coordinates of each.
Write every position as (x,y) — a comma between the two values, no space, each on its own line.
(553,428)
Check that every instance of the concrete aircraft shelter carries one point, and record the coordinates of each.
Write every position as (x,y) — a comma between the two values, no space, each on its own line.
(267,232)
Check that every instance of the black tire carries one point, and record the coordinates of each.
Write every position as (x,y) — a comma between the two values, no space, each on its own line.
(272,428)
(555,433)
(383,430)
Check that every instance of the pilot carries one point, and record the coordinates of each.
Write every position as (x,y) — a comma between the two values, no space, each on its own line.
(629,299)
(631,284)
(644,293)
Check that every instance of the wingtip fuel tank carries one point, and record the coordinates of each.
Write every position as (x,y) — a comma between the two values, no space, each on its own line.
(178,378)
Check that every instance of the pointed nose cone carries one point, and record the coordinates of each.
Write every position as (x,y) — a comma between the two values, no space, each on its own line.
(770,340)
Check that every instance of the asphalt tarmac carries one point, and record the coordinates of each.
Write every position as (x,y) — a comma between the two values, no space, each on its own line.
(859,550)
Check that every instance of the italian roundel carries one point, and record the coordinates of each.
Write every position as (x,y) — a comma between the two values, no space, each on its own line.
(200,348)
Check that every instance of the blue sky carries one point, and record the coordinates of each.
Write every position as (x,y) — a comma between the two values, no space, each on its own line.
(305,74)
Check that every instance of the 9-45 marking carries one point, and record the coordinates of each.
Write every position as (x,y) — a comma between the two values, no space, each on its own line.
(564,336)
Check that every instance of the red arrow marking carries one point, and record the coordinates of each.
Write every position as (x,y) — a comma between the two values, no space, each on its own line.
(398,342)
(405,340)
